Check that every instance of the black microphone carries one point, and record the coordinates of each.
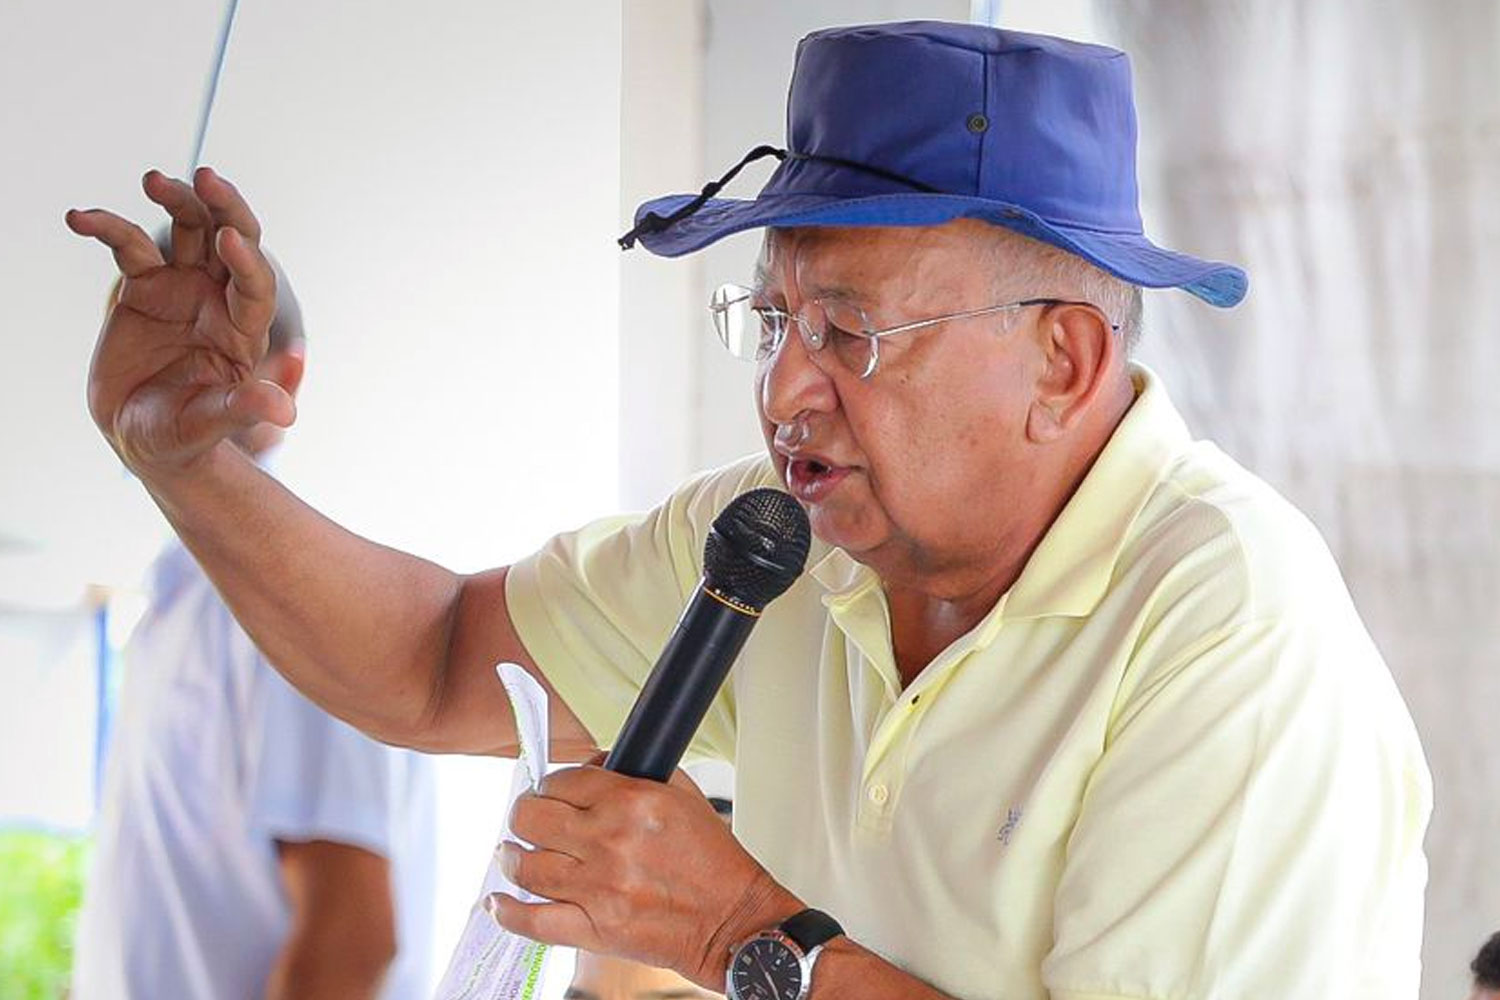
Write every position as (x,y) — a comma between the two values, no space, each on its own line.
(755,549)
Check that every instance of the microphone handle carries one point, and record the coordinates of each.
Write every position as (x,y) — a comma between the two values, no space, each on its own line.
(680,688)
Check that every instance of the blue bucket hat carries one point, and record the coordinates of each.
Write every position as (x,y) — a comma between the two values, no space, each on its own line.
(923,122)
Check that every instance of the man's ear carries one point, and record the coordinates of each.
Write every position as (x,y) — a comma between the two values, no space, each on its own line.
(1080,352)
(284,367)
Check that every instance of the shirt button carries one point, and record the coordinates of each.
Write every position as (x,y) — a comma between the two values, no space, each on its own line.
(879,794)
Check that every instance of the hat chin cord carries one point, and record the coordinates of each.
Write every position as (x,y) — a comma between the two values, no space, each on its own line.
(652,223)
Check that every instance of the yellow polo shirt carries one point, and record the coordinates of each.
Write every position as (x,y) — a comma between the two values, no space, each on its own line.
(1169,764)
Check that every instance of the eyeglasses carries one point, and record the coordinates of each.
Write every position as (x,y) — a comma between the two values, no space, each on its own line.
(754,331)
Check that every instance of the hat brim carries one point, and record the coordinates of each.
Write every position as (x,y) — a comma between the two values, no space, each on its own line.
(1128,256)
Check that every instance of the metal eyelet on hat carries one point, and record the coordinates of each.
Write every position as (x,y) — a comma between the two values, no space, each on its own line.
(977,123)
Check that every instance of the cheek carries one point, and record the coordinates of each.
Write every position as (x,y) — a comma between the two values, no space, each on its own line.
(908,450)
(942,451)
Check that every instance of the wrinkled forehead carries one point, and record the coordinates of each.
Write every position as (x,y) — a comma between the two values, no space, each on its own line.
(871,263)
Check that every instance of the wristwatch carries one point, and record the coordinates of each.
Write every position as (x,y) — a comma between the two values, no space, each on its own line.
(777,964)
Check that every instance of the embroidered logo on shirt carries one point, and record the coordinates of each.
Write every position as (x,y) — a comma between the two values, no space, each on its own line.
(1012,820)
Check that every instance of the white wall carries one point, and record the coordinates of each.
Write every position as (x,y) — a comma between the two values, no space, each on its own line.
(93,92)
(442,184)
(662,321)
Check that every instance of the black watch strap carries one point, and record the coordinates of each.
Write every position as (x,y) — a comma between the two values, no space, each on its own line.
(810,929)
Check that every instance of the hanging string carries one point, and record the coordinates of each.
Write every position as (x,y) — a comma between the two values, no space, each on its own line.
(213,85)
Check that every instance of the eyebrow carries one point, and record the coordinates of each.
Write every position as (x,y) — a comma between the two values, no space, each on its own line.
(842,293)
(574,993)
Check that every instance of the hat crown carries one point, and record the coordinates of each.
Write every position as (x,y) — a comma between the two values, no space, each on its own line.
(1042,123)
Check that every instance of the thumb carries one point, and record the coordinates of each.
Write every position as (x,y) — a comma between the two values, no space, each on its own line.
(261,400)
(215,414)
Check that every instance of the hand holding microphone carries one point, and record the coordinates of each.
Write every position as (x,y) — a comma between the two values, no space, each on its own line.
(641,870)
(755,550)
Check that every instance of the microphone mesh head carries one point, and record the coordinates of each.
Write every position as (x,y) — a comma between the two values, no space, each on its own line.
(756,547)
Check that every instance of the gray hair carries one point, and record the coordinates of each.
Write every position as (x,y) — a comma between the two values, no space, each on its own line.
(1030,268)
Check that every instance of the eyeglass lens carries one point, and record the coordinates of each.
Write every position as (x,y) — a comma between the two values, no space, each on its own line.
(753,331)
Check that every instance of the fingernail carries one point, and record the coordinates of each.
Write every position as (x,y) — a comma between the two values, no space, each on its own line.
(492,906)
(507,855)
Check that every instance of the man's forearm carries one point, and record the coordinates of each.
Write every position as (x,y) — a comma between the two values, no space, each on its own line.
(362,629)
(847,971)
(308,971)
(342,935)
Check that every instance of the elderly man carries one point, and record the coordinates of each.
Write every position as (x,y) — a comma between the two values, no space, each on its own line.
(1066,705)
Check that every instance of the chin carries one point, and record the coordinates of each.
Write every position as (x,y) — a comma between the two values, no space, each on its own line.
(842,528)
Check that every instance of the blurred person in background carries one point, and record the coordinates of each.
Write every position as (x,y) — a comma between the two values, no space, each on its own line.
(1486,969)
(248,843)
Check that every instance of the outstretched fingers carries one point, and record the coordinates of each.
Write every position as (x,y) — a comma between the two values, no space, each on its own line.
(192,222)
(134,251)
(226,204)
(251,295)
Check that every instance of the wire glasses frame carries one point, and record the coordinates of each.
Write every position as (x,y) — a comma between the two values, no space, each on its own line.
(754,332)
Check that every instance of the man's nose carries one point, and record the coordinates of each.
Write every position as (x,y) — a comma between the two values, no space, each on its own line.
(792,382)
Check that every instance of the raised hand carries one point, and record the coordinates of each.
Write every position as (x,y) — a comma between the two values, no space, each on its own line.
(173,372)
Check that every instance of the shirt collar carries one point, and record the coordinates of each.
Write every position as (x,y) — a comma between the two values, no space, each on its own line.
(1071,568)
(839,572)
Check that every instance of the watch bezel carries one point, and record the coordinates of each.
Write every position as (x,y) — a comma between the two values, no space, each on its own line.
(805,960)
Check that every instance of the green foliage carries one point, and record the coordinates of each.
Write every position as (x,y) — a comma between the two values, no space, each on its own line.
(41,883)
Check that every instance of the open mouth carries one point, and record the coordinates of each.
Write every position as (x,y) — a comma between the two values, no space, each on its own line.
(810,479)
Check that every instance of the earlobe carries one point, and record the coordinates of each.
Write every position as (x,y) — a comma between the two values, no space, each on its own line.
(1044,424)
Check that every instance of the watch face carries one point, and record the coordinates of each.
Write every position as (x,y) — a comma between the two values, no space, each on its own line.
(765,969)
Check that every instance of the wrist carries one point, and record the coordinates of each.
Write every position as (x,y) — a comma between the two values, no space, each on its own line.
(764,904)
(179,487)
(841,961)
(780,962)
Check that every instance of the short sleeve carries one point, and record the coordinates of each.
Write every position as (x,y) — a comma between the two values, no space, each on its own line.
(315,777)
(594,607)
(1253,827)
